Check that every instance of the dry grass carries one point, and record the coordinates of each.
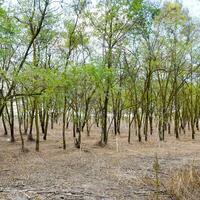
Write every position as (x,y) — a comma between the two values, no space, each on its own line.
(185,183)
(180,184)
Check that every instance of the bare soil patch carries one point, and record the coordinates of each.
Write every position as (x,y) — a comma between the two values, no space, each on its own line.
(92,172)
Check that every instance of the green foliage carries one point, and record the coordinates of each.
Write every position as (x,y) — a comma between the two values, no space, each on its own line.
(7,32)
(72,37)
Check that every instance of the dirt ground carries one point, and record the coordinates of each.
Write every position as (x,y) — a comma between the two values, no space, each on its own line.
(92,172)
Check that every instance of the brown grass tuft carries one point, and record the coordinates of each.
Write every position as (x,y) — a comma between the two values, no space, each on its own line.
(180,184)
(185,183)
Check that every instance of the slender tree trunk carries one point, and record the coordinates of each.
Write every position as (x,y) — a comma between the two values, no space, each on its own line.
(129,128)
(119,114)
(20,126)
(197,124)
(52,119)
(77,141)
(104,119)
(146,127)
(169,128)
(97,118)
(151,124)
(4,125)
(176,123)
(115,121)
(193,129)
(139,133)
(30,135)
(42,114)
(12,121)
(25,116)
(46,125)
(161,127)
(64,123)
(37,125)
(88,128)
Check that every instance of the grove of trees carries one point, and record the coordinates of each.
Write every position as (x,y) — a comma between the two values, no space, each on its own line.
(85,62)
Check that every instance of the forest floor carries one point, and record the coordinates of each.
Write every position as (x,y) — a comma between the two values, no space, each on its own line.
(92,172)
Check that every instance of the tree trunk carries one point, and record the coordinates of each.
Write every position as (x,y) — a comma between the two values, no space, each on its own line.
(151,124)
(37,125)
(104,120)
(64,123)
(30,135)
(25,116)
(4,125)
(42,114)
(146,126)
(12,121)
(52,119)
(46,125)
(139,134)
(20,124)
(193,129)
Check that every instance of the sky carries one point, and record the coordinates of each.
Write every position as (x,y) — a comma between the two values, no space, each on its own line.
(192,5)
